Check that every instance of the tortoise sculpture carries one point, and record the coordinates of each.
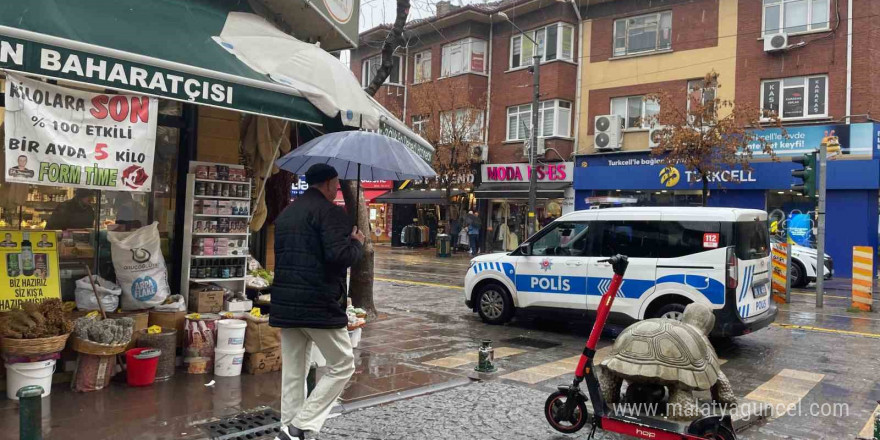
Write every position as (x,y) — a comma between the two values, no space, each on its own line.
(666,352)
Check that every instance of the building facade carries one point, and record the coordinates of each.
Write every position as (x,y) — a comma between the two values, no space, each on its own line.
(463,81)
(785,57)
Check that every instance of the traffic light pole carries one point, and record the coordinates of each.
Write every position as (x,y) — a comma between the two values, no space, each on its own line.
(533,144)
(820,235)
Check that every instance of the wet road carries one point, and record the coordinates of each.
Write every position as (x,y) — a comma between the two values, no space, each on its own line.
(816,360)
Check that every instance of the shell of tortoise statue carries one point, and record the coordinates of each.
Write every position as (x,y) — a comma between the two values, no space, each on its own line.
(676,354)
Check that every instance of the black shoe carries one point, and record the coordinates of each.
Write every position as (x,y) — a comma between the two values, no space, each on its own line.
(290,432)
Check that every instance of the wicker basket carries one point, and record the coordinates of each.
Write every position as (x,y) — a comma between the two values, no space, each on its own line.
(88,347)
(34,347)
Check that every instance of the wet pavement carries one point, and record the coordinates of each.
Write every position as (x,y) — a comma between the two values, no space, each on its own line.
(426,342)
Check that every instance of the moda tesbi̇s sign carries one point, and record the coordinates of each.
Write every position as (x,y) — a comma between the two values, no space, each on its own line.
(520,172)
(30,268)
(62,137)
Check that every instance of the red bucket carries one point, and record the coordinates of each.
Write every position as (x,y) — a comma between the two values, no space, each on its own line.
(141,367)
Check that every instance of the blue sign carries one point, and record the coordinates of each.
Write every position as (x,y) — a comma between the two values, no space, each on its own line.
(298,188)
(855,140)
(800,229)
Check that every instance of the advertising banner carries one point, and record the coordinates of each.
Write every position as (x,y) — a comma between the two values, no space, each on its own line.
(58,136)
(800,229)
(30,268)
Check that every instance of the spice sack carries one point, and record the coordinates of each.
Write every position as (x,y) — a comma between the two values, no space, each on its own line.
(140,267)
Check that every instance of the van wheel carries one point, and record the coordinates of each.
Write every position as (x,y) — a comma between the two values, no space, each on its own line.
(798,275)
(670,311)
(494,304)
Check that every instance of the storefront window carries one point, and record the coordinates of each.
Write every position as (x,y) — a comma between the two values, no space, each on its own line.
(782,205)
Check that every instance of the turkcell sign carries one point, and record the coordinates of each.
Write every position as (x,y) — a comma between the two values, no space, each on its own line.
(551,284)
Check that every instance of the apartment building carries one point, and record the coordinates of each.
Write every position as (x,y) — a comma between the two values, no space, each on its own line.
(463,81)
(789,57)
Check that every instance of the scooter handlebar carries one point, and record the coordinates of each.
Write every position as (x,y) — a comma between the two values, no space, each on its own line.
(618,263)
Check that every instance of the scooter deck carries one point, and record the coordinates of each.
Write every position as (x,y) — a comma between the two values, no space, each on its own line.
(652,422)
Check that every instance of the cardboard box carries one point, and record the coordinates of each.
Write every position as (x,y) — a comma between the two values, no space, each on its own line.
(205,299)
(264,362)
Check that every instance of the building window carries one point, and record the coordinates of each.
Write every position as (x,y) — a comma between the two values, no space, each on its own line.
(464,56)
(420,124)
(462,125)
(792,16)
(422,67)
(795,98)
(555,42)
(699,94)
(371,66)
(637,112)
(554,120)
(645,33)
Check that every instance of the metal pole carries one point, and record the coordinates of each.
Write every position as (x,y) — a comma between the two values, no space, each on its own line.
(788,273)
(820,236)
(533,144)
(30,412)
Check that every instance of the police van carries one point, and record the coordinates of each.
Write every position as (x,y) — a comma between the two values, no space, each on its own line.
(677,255)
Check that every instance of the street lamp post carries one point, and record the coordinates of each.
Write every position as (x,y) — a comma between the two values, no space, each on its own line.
(533,137)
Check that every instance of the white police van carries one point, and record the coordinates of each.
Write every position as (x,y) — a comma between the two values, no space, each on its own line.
(677,255)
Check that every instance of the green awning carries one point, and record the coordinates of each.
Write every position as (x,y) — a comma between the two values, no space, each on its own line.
(158,47)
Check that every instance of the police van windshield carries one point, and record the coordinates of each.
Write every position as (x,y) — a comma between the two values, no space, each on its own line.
(752,240)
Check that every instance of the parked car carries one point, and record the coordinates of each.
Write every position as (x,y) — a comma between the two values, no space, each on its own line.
(677,255)
(803,264)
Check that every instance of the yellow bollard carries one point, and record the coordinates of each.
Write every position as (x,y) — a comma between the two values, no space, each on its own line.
(863,277)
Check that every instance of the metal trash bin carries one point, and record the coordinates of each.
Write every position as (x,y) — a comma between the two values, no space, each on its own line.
(444,245)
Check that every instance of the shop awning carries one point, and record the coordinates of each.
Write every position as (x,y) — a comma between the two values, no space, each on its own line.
(162,48)
(519,190)
(416,196)
(390,126)
(370,195)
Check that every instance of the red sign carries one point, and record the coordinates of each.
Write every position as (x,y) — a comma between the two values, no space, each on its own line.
(377,184)
(710,240)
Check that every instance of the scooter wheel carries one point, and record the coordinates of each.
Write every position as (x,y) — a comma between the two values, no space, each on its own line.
(554,408)
(719,433)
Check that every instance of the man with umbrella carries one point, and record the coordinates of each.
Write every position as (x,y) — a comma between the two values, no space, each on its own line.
(315,243)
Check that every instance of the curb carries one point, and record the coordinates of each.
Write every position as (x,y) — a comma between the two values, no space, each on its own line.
(384,399)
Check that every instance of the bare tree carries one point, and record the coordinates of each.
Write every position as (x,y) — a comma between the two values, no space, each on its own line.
(452,118)
(361,282)
(708,134)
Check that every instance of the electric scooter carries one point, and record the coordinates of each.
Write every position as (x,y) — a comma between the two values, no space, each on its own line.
(566,409)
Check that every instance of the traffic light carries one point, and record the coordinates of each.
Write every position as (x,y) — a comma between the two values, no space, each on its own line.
(805,178)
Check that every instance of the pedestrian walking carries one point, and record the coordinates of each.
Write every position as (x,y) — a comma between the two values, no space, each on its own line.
(315,242)
(473,227)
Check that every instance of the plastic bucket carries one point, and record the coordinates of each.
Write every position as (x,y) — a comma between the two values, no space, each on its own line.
(23,374)
(228,362)
(141,372)
(230,334)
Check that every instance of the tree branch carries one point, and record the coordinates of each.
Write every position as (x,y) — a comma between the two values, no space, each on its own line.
(392,42)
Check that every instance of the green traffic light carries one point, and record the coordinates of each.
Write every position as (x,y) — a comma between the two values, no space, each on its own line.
(806,180)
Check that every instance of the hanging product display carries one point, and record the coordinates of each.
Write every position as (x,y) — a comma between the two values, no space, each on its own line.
(31,268)
(64,137)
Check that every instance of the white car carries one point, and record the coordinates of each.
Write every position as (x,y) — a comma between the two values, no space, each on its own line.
(803,269)
(677,255)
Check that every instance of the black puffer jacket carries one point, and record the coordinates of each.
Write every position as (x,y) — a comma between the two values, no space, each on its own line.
(313,249)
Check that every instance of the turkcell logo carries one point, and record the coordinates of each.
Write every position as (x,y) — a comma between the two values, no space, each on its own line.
(551,284)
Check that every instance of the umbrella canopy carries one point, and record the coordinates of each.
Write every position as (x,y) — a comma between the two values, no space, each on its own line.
(319,76)
(358,155)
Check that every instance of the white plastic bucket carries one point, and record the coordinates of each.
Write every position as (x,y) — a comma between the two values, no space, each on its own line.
(23,374)
(228,362)
(355,336)
(230,334)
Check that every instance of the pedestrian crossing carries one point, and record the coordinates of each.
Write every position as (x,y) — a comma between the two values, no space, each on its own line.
(867,432)
(785,390)
(471,357)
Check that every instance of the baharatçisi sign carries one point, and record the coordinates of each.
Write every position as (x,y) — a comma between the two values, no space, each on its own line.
(63,137)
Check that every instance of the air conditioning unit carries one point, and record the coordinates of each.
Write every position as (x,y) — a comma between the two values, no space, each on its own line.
(776,42)
(542,147)
(654,134)
(480,152)
(608,132)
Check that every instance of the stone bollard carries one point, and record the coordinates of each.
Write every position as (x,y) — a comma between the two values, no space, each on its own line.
(485,356)
(30,412)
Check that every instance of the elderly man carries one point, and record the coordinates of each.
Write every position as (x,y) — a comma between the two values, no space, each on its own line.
(314,245)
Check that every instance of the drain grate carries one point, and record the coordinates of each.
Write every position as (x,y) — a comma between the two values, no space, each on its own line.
(249,425)
(531,342)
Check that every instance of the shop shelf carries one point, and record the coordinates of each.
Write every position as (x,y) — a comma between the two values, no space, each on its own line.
(218,215)
(219,257)
(222,181)
(220,234)
(214,280)
(222,198)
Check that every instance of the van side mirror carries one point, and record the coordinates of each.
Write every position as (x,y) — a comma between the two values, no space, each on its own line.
(525,248)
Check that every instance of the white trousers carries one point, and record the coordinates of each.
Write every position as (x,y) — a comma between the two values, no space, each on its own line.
(335,345)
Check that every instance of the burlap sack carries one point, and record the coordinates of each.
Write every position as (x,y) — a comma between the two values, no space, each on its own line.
(259,337)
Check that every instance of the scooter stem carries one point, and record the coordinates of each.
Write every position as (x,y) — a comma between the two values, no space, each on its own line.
(619,263)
